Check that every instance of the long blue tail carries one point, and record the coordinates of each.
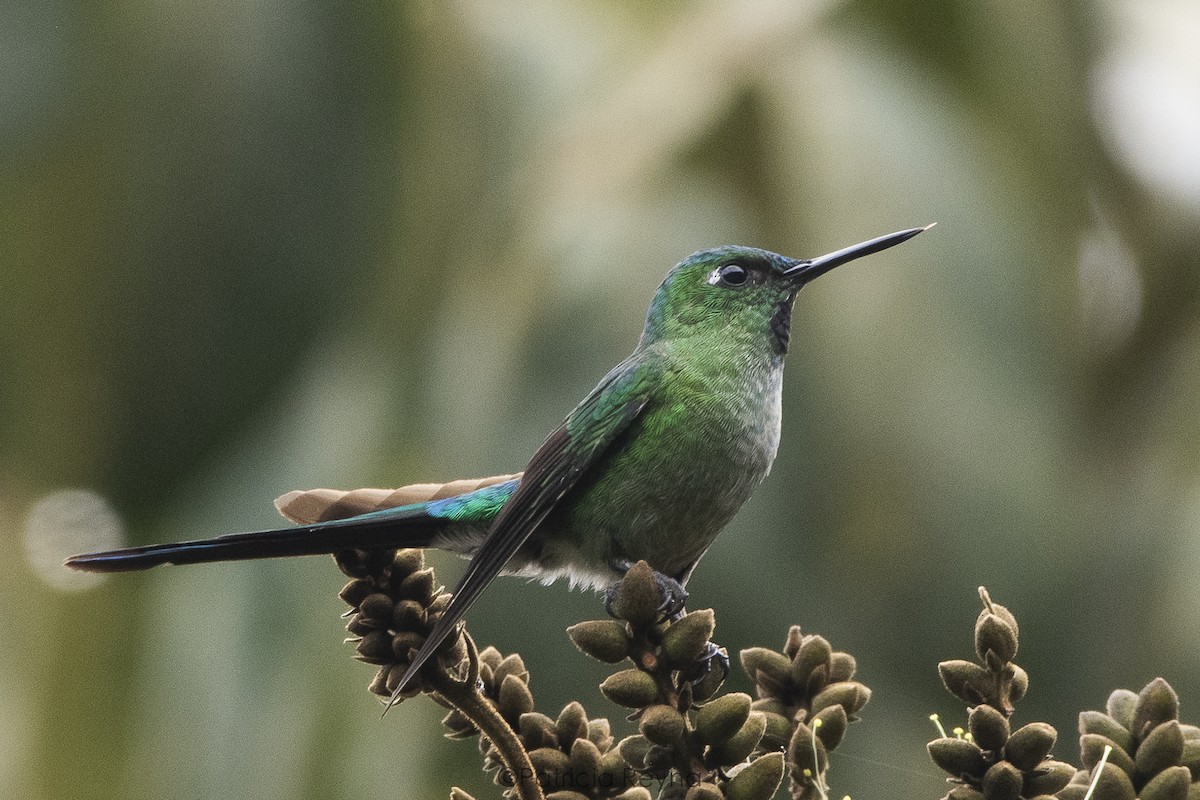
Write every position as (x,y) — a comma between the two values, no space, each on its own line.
(406,526)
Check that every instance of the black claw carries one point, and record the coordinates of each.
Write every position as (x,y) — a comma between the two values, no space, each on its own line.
(713,655)
(674,597)
(610,597)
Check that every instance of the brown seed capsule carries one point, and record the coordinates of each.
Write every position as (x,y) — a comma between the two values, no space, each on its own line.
(1157,703)
(1170,784)
(604,640)
(722,718)
(585,761)
(1047,778)
(1029,745)
(512,665)
(354,591)
(989,728)
(704,791)
(404,643)
(850,695)
(376,607)
(1114,784)
(800,754)
(631,688)
(537,730)
(687,638)
(515,698)
(600,734)
(842,667)
(1120,706)
(1091,750)
(634,750)
(1103,724)
(759,662)
(408,615)
(960,758)
(375,648)
(814,652)
(832,727)
(635,793)
(967,681)
(738,747)
(549,761)
(758,781)
(417,586)
(572,724)
(1162,748)
(638,597)
(661,724)
(1002,781)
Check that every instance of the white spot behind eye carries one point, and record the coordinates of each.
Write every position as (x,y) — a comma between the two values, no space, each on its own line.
(714,277)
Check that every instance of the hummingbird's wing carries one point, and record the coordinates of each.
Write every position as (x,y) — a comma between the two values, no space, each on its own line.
(568,452)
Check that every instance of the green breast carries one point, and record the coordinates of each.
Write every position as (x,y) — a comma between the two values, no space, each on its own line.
(685,467)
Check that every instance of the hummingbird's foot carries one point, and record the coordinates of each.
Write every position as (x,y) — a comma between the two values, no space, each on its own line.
(713,657)
(673,594)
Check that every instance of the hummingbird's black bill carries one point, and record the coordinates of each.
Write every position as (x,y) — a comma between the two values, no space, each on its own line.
(806,270)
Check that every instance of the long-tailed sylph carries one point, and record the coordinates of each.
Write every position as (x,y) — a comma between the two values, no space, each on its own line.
(650,466)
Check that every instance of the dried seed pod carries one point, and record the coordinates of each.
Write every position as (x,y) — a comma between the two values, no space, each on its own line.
(1091,750)
(759,662)
(850,695)
(1105,725)
(704,791)
(631,688)
(639,597)
(634,750)
(537,730)
(759,780)
(720,719)
(993,634)
(961,758)
(1047,778)
(572,723)
(686,639)
(1162,748)
(604,640)
(738,747)
(1029,745)
(1002,781)
(600,734)
(662,724)
(989,728)
(832,728)
(1114,784)
(515,698)
(1157,703)
(967,681)
(815,651)
(1170,784)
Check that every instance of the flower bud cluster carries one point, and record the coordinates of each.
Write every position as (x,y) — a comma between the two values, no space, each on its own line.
(698,743)
(573,757)
(807,696)
(991,761)
(394,603)
(1151,755)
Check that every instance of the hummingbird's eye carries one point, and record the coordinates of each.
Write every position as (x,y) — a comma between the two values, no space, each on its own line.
(730,275)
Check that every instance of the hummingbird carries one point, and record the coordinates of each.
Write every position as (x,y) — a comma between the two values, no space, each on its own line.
(651,465)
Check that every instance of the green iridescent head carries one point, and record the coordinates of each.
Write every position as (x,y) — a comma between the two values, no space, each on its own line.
(744,291)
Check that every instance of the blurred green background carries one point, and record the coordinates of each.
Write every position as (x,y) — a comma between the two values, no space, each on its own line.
(251,247)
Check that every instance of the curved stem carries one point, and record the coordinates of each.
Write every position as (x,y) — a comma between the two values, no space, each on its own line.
(466,697)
